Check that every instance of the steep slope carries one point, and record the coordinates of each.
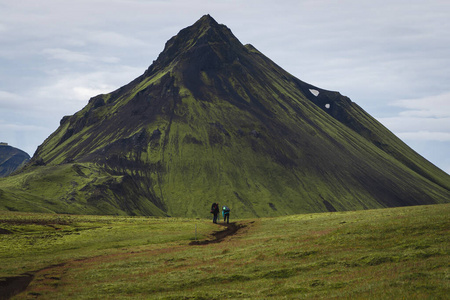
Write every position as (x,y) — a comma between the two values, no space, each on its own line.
(214,120)
(11,159)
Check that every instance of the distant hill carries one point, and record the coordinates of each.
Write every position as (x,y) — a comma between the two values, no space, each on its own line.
(213,120)
(11,159)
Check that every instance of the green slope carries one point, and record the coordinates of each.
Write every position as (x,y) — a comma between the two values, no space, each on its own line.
(212,120)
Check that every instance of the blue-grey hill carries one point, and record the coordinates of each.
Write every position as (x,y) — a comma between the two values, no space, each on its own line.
(11,159)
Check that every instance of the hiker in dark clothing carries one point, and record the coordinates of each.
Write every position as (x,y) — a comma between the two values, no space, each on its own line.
(215,211)
(226,214)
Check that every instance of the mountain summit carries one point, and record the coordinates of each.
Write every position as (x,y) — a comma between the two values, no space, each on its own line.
(205,37)
(213,120)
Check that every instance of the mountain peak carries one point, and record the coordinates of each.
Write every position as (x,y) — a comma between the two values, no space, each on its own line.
(193,39)
(206,20)
(214,120)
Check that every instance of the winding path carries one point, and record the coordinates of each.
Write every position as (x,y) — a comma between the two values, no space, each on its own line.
(219,236)
(10,286)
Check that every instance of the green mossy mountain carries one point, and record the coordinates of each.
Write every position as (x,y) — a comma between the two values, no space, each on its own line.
(11,159)
(213,120)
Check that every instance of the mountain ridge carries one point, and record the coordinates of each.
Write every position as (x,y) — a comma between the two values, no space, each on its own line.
(11,159)
(213,120)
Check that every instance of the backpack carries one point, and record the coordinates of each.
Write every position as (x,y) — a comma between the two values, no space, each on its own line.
(226,209)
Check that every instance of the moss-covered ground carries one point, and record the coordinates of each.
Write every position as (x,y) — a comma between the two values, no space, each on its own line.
(398,253)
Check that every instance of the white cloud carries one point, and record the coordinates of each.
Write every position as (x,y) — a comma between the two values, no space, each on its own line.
(13,102)
(437,106)
(23,136)
(8,98)
(69,56)
(70,91)
(66,55)
(424,135)
(20,127)
(426,118)
(403,123)
(83,93)
(113,39)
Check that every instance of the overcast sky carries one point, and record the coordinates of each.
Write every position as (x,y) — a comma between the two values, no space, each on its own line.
(390,57)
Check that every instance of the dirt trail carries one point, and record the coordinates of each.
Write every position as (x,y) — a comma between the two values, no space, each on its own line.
(10,286)
(230,229)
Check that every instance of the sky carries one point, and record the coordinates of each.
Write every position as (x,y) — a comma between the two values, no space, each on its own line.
(390,57)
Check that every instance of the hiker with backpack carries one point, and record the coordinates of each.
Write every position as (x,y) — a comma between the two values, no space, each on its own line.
(226,214)
(215,211)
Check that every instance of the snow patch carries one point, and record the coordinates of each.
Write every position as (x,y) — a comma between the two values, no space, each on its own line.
(314,92)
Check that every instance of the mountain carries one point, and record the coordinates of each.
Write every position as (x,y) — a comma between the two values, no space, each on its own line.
(11,159)
(213,120)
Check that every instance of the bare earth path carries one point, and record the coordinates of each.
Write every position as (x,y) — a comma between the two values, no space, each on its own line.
(230,229)
(14,285)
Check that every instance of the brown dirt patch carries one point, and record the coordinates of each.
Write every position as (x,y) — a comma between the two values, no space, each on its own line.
(219,236)
(10,286)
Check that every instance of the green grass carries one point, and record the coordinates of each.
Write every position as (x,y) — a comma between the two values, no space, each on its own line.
(373,254)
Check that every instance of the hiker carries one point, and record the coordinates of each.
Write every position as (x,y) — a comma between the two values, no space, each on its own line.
(215,211)
(226,214)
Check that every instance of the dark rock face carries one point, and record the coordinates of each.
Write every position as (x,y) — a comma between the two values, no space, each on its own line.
(213,120)
(11,159)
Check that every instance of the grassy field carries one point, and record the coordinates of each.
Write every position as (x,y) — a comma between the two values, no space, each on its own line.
(374,254)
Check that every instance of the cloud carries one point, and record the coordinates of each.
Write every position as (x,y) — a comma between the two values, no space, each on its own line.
(70,56)
(10,100)
(426,136)
(426,118)
(20,127)
(114,39)
(437,106)
(67,55)
(74,89)
(16,105)
(23,136)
